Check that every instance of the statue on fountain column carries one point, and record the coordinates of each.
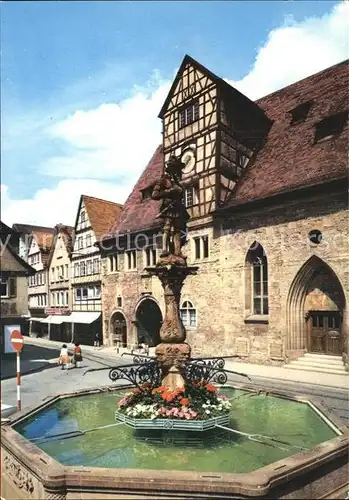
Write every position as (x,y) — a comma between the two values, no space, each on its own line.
(172,211)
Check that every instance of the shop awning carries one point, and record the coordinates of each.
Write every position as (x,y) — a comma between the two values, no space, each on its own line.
(82,317)
(55,319)
(40,320)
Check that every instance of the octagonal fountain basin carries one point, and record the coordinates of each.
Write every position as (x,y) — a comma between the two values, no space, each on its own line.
(272,445)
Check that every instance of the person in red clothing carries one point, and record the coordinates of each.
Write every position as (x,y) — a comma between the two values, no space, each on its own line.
(77,355)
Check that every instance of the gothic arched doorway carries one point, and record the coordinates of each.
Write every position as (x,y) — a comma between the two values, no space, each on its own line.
(118,329)
(315,309)
(148,321)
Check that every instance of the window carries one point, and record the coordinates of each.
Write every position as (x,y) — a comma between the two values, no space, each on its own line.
(4,287)
(330,126)
(113,263)
(131,259)
(119,301)
(150,257)
(201,247)
(88,240)
(76,270)
(62,298)
(82,268)
(96,266)
(78,294)
(84,294)
(83,216)
(188,314)
(189,114)
(300,113)
(66,298)
(190,196)
(53,299)
(61,273)
(66,271)
(256,273)
(97,291)
(80,242)
(89,267)
(58,299)
(315,236)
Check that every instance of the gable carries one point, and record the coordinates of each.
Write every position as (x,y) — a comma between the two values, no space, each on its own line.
(191,80)
(10,261)
(82,220)
(34,247)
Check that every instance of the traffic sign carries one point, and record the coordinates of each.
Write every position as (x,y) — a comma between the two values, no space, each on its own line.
(17,340)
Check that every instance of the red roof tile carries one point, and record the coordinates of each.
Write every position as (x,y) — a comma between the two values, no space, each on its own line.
(289,158)
(102,214)
(138,214)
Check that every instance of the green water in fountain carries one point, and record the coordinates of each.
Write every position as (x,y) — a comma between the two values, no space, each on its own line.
(219,451)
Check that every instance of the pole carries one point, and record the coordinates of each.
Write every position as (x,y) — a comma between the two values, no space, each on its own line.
(19,406)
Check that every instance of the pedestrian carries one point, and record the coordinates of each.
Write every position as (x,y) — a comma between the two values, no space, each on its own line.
(64,357)
(77,355)
(97,341)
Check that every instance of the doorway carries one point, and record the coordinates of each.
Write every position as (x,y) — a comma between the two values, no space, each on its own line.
(148,321)
(325,332)
(119,329)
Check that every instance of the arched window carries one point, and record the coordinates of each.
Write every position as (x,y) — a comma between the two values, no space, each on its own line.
(256,281)
(188,314)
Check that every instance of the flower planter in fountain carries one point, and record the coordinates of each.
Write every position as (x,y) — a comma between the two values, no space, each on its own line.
(175,424)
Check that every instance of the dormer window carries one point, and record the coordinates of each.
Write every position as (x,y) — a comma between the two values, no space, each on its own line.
(330,126)
(189,114)
(147,192)
(300,113)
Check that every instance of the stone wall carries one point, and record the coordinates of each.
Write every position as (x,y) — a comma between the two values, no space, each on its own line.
(219,290)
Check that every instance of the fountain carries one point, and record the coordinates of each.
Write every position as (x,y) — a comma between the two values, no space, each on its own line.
(174,433)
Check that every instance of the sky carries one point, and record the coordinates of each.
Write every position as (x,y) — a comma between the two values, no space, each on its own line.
(82,84)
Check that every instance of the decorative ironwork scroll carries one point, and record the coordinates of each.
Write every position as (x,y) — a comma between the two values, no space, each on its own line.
(137,374)
(209,370)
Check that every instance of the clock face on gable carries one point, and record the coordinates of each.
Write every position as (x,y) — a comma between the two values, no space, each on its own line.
(189,159)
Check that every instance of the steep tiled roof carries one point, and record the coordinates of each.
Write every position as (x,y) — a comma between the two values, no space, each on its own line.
(28,228)
(102,214)
(44,239)
(289,158)
(138,214)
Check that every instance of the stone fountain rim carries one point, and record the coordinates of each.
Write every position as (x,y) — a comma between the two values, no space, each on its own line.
(259,482)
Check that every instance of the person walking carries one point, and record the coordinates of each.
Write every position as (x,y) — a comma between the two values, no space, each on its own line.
(63,359)
(97,341)
(77,355)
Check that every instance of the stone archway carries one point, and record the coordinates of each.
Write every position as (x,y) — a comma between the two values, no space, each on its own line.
(148,321)
(118,329)
(315,308)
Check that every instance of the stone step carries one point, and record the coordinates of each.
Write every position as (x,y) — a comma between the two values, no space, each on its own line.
(321,366)
(333,362)
(322,356)
(317,369)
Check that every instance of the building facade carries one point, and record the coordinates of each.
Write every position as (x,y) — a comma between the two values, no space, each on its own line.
(38,294)
(60,296)
(13,288)
(93,220)
(265,186)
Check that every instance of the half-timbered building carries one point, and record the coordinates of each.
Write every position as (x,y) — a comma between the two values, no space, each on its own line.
(93,220)
(265,185)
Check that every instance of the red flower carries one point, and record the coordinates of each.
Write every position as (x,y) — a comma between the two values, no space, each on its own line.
(184,401)
(210,388)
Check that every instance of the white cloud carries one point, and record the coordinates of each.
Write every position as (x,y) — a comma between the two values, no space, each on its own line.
(115,140)
(51,206)
(297,50)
